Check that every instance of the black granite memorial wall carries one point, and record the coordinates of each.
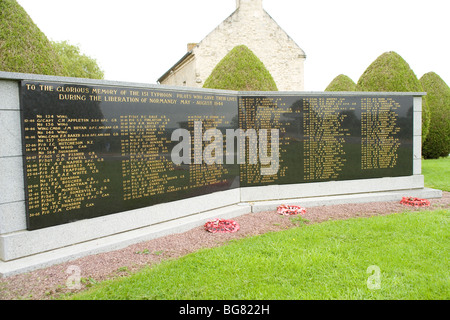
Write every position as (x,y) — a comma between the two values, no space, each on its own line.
(95,150)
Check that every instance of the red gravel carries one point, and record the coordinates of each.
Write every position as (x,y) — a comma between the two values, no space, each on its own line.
(50,282)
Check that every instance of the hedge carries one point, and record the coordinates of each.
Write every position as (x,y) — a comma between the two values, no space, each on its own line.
(437,143)
(241,70)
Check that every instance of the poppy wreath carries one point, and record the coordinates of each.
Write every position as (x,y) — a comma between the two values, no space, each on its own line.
(222,226)
(289,210)
(415,202)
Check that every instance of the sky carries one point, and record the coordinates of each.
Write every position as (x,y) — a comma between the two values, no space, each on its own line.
(139,40)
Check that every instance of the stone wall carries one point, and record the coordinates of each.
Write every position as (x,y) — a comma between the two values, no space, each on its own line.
(12,197)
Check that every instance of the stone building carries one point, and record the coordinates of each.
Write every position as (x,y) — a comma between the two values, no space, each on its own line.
(248,25)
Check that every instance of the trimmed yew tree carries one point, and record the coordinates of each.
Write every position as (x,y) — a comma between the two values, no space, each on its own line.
(437,143)
(341,83)
(241,70)
(23,47)
(391,73)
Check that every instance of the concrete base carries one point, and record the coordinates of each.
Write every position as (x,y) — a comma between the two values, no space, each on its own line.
(122,240)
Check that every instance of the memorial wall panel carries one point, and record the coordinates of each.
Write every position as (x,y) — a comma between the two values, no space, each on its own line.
(92,150)
(95,150)
(331,138)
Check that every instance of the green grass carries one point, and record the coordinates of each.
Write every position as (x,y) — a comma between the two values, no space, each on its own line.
(437,173)
(321,261)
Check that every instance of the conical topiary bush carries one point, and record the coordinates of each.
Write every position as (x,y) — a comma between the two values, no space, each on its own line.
(341,83)
(23,47)
(241,70)
(391,73)
(437,143)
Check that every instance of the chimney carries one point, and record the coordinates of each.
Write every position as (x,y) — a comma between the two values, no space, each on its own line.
(191,46)
(252,5)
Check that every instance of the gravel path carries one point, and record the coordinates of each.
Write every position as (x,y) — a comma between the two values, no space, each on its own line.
(49,283)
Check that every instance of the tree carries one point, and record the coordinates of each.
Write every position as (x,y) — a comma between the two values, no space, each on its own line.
(23,47)
(241,70)
(391,73)
(437,143)
(76,64)
(341,83)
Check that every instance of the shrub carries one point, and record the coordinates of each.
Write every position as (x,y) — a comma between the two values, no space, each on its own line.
(391,73)
(341,83)
(437,143)
(23,47)
(241,70)
(75,63)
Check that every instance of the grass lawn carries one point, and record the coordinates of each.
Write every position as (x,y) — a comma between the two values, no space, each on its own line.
(402,256)
(437,173)
(323,261)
